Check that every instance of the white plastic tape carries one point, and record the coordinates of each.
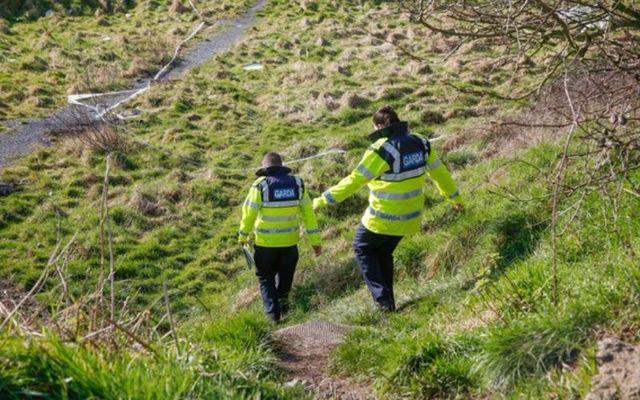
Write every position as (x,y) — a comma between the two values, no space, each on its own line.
(76,99)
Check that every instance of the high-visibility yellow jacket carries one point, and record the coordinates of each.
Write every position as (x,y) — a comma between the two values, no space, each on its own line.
(394,169)
(273,208)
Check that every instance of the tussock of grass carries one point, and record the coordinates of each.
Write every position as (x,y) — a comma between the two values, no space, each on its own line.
(534,346)
(438,369)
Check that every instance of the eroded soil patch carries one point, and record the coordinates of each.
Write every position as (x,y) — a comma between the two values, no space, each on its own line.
(304,352)
(618,372)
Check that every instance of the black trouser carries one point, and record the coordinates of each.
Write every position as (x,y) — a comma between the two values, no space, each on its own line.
(275,267)
(374,254)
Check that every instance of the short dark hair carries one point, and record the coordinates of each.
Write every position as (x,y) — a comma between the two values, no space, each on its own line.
(272,159)
(385,116)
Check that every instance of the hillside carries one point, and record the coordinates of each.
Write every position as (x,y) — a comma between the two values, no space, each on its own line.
(53,49)
(481,312)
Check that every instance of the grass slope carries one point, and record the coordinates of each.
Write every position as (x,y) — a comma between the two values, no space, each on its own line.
(73,52)
(477,317)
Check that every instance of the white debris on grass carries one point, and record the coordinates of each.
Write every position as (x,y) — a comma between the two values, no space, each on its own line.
(253,67)
(585,15)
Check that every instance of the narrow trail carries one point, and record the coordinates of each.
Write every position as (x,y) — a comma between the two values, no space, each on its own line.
(304,352)
(24,136)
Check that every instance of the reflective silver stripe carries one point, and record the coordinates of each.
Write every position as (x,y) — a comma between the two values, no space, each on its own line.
(265,191)
(327,195)
(279,230)
(280,204)
(454,194)
(299,183)
(365,171)
(251,204)
(391,217)
(397,196)
(312,231)
(278,219)
(243,233)
(435,165)
(395,153)
(403,175)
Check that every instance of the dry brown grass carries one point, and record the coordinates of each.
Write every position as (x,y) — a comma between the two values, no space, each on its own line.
(303,72)
(145,203)
(457,325)
(245,298)
(595,96)
(94,138)
(354,100)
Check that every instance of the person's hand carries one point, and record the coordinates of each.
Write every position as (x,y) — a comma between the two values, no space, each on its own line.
(318,203)
(317,250)
(459,207)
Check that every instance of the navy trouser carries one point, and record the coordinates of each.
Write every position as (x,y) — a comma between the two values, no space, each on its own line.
(374,254)
(275,267)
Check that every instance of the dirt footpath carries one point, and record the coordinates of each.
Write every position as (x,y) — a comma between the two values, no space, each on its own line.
(618,372)
(304,353)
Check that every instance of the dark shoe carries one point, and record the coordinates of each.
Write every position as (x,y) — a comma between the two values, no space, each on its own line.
(284,305)
(386,306)
(274,318)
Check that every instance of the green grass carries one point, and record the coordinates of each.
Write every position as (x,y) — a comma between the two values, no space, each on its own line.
(477,316)
(45,59)
(49,369)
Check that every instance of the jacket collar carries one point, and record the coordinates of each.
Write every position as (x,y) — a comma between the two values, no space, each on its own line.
(397,129)
(273,170)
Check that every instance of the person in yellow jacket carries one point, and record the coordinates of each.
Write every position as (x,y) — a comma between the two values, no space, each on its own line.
(394,169)
(272,209)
